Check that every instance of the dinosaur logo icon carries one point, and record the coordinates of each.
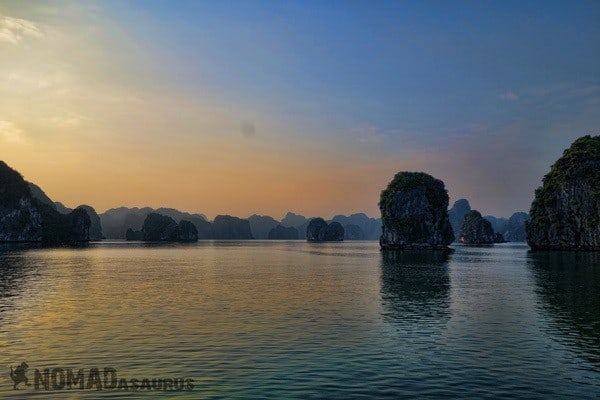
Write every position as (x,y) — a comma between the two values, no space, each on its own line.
(18,375)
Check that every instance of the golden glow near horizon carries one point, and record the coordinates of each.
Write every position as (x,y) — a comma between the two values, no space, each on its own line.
(207,109)
(80,119)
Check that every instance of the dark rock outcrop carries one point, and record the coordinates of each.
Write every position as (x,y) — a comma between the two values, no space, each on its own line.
(457,214)
(261,225)
(565,213)
(59,229)
(281,232)
(320,231)
(226,227)
(79,225)
(499,238)
(476,230)
(162,228)
(116,221)
(334,232)
(187,232)
(315,231)
(353,232)
(24,218)
(203,227)
(95,227)
(159,228)
(414,213)
(134,235)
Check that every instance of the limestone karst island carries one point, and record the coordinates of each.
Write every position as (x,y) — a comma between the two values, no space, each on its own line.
(565,215)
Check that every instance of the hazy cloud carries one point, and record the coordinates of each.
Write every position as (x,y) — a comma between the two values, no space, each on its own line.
(10,133)
(67,121)
(509,96)
(13,30)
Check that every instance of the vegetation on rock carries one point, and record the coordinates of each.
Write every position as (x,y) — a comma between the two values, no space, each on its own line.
(565,213)
(476,230)
(414,213)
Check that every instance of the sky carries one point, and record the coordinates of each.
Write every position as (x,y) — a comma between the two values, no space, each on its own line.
(243,107)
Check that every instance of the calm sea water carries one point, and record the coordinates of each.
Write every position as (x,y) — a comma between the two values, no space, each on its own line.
(298,320)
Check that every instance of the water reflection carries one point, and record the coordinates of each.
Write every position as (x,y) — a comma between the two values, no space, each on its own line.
(415,285)
(568,285)
(14,273)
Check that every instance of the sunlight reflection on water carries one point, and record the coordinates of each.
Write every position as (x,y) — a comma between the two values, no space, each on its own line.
(293,319)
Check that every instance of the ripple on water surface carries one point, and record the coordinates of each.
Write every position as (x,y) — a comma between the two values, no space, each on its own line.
(302,320)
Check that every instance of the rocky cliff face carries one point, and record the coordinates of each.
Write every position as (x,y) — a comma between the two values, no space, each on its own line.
(457,214)
(476,230)
(281,232)
(24,218)
(414,213)
(21,222)
(320,231)
(565,213)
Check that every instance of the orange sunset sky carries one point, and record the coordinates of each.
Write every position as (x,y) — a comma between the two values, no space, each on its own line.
(241,108)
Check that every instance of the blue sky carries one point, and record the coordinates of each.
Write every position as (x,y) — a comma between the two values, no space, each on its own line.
(484,95)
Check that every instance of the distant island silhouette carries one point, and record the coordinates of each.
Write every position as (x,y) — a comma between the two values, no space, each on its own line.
(565,215)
